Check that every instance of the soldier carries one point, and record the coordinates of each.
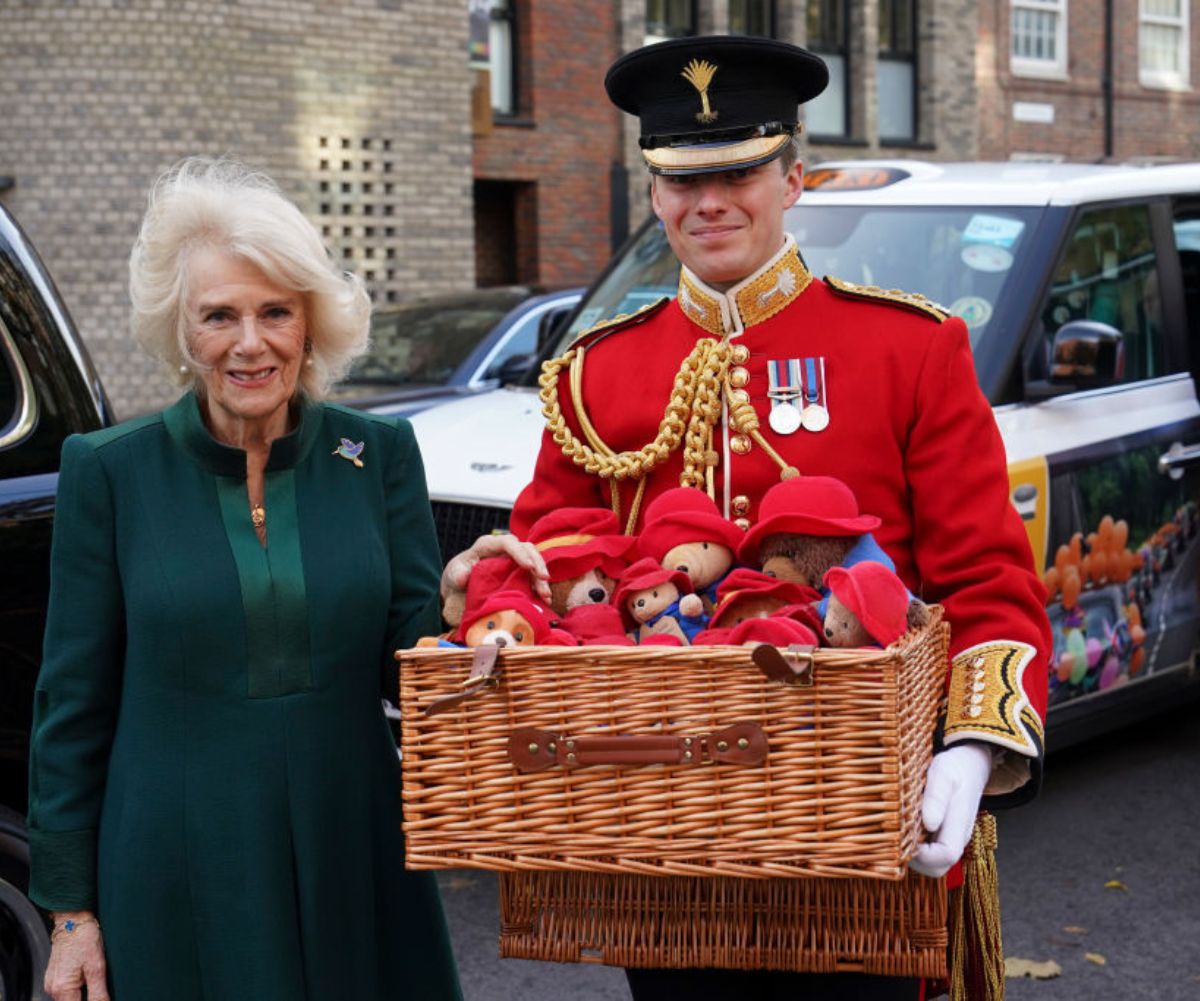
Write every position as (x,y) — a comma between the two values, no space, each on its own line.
(758,371)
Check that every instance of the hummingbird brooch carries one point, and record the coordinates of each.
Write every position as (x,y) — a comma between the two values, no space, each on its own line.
(350,451)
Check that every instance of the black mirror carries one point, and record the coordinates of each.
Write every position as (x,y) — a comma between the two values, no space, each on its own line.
(548,326)
(1086,353)
(514,368)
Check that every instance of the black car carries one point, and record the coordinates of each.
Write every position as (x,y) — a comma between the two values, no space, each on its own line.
(48,390)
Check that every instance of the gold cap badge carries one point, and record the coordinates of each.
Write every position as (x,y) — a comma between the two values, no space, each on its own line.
(699,73)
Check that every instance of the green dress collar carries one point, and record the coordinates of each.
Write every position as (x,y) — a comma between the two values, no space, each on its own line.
(186,426)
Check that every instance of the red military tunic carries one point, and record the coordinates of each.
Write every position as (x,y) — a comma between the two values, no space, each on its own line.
(909,431)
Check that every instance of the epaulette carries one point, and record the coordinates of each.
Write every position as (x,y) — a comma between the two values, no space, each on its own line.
(590,336)
(909,300)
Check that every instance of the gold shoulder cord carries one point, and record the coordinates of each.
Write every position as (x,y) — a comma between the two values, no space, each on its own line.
(689,418)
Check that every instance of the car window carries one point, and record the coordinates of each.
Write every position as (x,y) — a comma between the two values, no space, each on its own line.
(1109,273)
(1187,242)
(520,340)
(424,343)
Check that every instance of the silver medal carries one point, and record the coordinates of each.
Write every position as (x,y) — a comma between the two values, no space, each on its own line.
(815,418)
(784,418)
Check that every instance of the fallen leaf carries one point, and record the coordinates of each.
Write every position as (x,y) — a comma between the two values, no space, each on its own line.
(1031,969)
(1095,957)
(1116,884)
(1074,930)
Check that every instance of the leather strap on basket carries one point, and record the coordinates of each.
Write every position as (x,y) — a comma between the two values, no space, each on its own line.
(792,665)
(532,749)
(485,673)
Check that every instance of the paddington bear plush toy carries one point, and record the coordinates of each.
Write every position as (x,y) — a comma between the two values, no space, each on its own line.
(868,606)
(683,530)
(750,594)
(585,553)
(504,618)
(656,601)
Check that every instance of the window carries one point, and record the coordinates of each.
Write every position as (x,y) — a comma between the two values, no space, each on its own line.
(752,17)
(1109,273)
(502,38)
(1039,38)
(896,84)
(669,19)
(828,114)
(1163,43)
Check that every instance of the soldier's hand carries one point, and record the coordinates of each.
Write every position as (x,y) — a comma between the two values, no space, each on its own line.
(953,788)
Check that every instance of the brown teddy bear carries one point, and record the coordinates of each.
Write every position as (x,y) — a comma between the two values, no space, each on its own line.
(868,606)
(808,525)
(656,601)
(504,618)
(683,530)
(585,553)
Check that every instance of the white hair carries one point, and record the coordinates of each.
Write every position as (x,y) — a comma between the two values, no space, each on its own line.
(223,204)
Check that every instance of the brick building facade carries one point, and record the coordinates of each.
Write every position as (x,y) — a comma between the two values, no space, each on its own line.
(361,111)
(1044,93)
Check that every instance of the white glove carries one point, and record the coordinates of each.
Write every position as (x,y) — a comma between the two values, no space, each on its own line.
(953,789)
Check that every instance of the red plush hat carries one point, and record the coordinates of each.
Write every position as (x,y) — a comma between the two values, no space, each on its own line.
(806,505)
(875,595)
(743,582)
(596,625)
(805,612)
(500,601)
(496,573)
(777,630)
(573,540)
(684,514)
(647,572)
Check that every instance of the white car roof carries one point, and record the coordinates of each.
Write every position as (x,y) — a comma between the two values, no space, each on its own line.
(1008,183)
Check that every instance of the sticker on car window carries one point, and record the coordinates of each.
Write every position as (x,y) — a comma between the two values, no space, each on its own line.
(974,311)
(986,257)
(994,229)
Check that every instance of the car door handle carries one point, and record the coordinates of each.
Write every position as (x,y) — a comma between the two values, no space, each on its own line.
(1178,457)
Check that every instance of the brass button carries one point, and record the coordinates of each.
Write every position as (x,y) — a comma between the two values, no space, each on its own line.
(740,443)
(743,743)
(533,748)
(740,505)
(738,377)
(737,397)
(722,745)
(740,354)
(742,523)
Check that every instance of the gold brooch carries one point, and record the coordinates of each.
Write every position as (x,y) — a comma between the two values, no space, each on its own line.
(699,74)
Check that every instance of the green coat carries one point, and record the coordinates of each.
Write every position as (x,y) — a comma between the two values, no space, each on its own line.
(210,767)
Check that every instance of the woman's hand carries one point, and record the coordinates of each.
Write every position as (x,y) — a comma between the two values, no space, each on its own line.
(76,959)
(523,554)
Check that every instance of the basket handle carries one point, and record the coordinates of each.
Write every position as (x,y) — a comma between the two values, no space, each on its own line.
(792,665)
(485,673)
(532,749)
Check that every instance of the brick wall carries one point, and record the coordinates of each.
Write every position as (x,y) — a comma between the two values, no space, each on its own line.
(1147,122)
(359,108)
(564,138)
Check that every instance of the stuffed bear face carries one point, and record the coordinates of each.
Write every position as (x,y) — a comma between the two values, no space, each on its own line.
(648,602)
(592,588)
(502,628)
(752,606)
(703,562)
(842,628)
(803,559)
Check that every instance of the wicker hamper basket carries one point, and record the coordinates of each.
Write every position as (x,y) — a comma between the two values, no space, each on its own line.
(677,807)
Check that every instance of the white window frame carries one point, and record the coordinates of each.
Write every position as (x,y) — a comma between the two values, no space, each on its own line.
(1166,79)
(1054,69)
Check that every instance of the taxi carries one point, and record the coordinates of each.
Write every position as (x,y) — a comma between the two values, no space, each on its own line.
(1080,287)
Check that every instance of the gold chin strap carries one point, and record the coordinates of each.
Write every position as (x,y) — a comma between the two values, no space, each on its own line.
(689,419)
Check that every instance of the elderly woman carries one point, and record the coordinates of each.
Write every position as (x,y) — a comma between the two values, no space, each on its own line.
(214,804)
